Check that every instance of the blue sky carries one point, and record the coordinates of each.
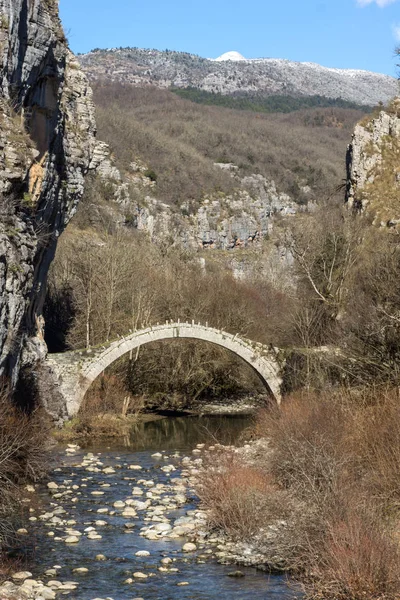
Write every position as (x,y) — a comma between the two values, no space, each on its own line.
(359,34)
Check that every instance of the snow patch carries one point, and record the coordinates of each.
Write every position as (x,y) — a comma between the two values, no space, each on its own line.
(230,56)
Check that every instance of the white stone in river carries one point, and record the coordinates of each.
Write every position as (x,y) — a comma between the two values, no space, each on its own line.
(166,561)
(21,575)
(52,485)
(97,493)
(22,531)
(137,492)
(189,547)
(108,470)
(69,585)
(100,523)
(183,583)
(80,570)
(162,527)
(93,535)
(141,505)
(135,468)
(139,575)
(156,455)
(119,504)
(152,535)
(46,593)
(142,553)
(72,539)
(100,557)
(102,511)
(88,529)
(129,512)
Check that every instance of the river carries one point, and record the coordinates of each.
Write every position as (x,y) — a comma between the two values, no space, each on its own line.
(90,480)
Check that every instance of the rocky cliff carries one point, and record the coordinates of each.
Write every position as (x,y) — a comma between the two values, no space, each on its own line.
(373,167)
(47,139)
(222,221)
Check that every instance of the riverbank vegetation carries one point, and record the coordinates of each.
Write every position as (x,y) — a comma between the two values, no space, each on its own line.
(324,500)
(24,442)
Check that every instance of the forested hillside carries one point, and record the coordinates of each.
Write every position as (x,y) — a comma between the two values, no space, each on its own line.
(181,141)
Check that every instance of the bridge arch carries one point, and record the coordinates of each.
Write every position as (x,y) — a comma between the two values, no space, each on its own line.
(77,370)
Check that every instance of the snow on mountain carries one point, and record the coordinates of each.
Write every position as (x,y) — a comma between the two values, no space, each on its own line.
(232,74)
(234,56)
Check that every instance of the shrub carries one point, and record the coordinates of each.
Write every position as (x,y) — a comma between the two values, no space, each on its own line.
(359,560)
(150,174)
(337,455)
(23,445)
(239,498)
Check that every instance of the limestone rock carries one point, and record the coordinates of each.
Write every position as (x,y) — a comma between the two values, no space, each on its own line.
(373,166)
(46,147)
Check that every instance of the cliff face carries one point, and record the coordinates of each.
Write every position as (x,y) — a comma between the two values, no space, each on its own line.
(47,139)
(221,221)
(373,167)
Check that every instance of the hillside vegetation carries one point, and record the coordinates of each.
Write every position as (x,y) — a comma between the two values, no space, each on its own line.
(268,104)
(181,141)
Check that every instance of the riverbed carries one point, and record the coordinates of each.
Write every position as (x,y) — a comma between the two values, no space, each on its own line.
(143,468)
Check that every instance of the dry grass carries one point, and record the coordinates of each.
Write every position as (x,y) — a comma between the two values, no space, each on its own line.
(359,560)
(334,469)
(239,498)
(339,455)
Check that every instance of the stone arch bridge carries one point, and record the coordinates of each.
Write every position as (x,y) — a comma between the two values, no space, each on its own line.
(75,371)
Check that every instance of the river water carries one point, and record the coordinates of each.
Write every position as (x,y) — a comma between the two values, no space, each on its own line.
(202,576)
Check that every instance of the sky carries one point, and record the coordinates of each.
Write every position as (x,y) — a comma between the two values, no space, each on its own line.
(357,34)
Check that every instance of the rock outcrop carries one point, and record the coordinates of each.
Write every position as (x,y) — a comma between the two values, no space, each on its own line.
(373,167)
(218,221)
(47,140)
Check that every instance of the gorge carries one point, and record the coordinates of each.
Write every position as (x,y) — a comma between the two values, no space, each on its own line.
(180,241)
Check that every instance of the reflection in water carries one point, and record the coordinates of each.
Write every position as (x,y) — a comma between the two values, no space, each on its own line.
(182,433)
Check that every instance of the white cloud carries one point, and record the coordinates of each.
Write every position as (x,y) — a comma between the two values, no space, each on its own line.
(396,32)
(381,3)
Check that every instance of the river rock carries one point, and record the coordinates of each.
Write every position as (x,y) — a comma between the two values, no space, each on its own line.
(81,570)
(21,575)
(189,547)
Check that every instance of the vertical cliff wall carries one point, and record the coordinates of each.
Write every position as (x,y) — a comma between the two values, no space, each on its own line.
(47,139)
(373,167)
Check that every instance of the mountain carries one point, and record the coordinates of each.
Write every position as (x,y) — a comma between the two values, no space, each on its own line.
(232,74)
